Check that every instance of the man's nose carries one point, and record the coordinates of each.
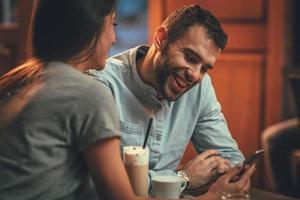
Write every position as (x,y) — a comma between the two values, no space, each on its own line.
(194,74)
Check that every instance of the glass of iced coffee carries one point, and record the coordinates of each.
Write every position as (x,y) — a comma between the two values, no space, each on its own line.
(136,160)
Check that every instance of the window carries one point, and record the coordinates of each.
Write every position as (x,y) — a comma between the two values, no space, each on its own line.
(7,11)
(132,26)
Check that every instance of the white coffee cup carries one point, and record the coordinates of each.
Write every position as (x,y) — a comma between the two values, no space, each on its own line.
(136,160)
(167,186)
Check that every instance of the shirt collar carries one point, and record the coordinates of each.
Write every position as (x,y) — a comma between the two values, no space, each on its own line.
(148,91)
(135,54)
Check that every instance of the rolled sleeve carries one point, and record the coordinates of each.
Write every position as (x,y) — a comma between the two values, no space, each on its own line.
(211,131)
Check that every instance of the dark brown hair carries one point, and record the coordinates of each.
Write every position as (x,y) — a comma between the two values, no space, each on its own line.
(181,19)
(60,30)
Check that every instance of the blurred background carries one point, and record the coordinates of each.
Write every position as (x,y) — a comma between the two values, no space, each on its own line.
(132,29)
(250,77)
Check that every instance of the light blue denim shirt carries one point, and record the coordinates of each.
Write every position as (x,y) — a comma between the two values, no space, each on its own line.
(195,116)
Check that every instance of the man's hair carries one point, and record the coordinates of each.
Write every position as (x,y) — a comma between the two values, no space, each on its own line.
(178,22)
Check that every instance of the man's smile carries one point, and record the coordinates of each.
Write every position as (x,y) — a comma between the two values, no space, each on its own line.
(178,83)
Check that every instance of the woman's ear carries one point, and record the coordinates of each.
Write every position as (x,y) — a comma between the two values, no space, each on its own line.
(160,38)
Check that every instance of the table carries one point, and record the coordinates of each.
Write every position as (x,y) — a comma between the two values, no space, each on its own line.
(257,194)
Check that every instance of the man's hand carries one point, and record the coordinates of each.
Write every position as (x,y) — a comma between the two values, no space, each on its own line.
(204,167)
(226,184)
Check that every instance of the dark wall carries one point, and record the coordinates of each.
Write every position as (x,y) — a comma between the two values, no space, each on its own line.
(296,30)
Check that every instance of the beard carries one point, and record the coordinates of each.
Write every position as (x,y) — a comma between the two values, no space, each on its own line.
(163,72)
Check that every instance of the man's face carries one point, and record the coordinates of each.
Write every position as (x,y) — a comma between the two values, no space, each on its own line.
(183,63)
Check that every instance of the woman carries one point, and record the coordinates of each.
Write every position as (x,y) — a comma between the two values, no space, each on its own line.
(58,125)
(50,111)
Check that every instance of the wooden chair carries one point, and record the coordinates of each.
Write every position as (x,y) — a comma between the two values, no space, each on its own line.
(295,169)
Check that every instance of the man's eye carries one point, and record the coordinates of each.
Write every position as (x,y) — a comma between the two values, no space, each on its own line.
(191,59)
(115,24)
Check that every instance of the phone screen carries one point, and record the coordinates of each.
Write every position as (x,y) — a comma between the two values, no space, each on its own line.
(253,157)
(248,161)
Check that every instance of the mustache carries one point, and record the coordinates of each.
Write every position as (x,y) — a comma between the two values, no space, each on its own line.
(183,74)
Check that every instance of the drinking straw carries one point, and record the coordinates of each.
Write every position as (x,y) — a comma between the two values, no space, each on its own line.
(148,132)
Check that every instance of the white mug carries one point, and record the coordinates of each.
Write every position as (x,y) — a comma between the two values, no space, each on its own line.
(167,186)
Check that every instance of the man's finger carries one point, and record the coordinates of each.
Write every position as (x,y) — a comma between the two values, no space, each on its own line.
(213,162)
(232,173)
(248,173)
(207,154)
(247,185)
(223,166)
(216,162)
(246,167)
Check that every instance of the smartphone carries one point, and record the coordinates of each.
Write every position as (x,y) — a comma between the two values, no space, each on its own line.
(253,157)
(248,161)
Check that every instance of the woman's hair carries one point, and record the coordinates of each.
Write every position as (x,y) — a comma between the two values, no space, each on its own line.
(63,28)
(60,30)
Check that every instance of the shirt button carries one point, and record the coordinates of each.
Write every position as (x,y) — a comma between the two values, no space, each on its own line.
(158,137)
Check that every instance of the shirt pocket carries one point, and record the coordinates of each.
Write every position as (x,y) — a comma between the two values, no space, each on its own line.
(131,134)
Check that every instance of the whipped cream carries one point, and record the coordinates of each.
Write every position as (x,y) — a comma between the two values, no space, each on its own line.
(135,155)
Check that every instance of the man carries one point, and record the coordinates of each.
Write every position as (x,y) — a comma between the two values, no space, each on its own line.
(168,81)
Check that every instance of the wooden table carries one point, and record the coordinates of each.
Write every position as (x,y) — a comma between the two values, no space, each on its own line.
(257,194)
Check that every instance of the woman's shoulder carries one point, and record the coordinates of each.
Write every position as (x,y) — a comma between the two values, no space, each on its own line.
(64,80)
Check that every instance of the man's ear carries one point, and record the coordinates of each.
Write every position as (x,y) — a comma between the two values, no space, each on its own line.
(160,37)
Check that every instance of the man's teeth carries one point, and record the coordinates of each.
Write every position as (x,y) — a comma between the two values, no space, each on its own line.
(180,81)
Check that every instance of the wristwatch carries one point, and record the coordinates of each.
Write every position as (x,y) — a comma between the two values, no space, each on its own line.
(185,176)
